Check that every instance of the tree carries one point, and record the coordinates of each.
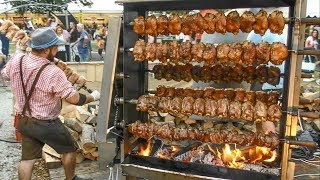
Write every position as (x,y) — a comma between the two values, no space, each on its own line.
(43,6)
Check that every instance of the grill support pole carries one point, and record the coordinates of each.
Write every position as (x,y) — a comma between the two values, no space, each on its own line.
(107,146)
(288,125)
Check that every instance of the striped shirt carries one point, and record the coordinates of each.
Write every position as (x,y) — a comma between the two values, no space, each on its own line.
(52,86)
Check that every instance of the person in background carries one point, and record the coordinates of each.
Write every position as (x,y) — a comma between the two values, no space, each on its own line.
(100,46)
(5,45)
(87,29)
(313,40)
(38,114)
(83,41)
(74,35)
(2,64)
(61,54)
(66,36)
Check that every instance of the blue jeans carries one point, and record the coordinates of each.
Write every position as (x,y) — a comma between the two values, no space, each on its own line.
(84,57)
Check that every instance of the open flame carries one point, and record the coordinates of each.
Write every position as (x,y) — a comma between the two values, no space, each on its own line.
(231,158)
(259,154)
(174,149)
(145,151)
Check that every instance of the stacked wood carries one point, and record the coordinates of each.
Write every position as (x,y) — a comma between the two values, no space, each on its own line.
(81,125)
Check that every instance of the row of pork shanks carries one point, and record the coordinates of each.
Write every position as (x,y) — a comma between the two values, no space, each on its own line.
(215,136)
(210,23)
(228,104)
(217,73)
(236,53)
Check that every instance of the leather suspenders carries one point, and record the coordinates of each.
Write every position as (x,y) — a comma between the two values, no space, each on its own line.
(28,97)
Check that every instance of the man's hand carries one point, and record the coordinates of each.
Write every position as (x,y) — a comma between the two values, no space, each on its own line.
(96,95)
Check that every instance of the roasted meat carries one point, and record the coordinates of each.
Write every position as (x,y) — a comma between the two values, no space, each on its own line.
(263,52)
(223,50)
(185,52)
(209,25)
(161,91)
(174,24)
(235,53)
(150,51)
(199,106)
(162,25)
(247,111)
(221,23)
(247,20)
(235,110)
(248,53)
(262,74)
(173,52)
(197,51)
(279,53)
(186,21)
(215,136)
(260,111)
(211,107)
(164,104)
(197,25)
(222,110)
(139,25)
(151,26)
(187,105)
(233,22)
(162,52)
(261,24)
(175,105)
(142,104)
(209,54)
(276,22)
(273,75)
(139,50)
(274,113)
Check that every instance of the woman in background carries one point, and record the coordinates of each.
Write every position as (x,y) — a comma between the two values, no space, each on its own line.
(312,41)
(61,54)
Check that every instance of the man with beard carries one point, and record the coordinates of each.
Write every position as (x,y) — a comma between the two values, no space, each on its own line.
(39,86)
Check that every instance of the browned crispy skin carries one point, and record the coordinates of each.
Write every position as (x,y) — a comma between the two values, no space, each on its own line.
(162,24)
(248,52)
(222,52)
(209,25)
(173,52)
(273,75)
(139,25)
(247,20)
(139,50)
(209,54)
(174,24)
(235,53)
(279,53)
(221,23)
(185,52)
(233,22)
(176,104)
(276,22)
(199,21)
(151,26)
(151,51)
(162,52)
(187,105)
(197,51)
(263,53)
(261,24)
(186,21)
(199,106)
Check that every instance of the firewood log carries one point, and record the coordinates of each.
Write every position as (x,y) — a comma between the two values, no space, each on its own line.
(68,71)
(73,124)
(74,134)
(73,78)
(81,81)
(87,137)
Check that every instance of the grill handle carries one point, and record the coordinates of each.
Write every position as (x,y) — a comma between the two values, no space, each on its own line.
(303,143)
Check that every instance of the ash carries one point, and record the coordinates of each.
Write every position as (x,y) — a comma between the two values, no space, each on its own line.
(261,168)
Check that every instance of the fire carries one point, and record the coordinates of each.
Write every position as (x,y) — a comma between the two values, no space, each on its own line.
(175,149)
(231,158)
(145,151)
(259,154)
(273,157)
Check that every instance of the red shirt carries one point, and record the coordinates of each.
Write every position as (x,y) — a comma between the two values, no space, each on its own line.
(52,86)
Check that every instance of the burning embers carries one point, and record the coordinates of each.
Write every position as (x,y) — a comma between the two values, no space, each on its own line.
(204,153)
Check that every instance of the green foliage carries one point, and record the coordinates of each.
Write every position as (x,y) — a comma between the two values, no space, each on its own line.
(43,6)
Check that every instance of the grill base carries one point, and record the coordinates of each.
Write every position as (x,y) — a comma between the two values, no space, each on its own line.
(156,168)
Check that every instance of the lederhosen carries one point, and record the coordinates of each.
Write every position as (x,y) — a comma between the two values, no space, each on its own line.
(35,133)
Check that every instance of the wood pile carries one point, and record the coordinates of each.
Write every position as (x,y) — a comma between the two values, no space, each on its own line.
(81,125)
